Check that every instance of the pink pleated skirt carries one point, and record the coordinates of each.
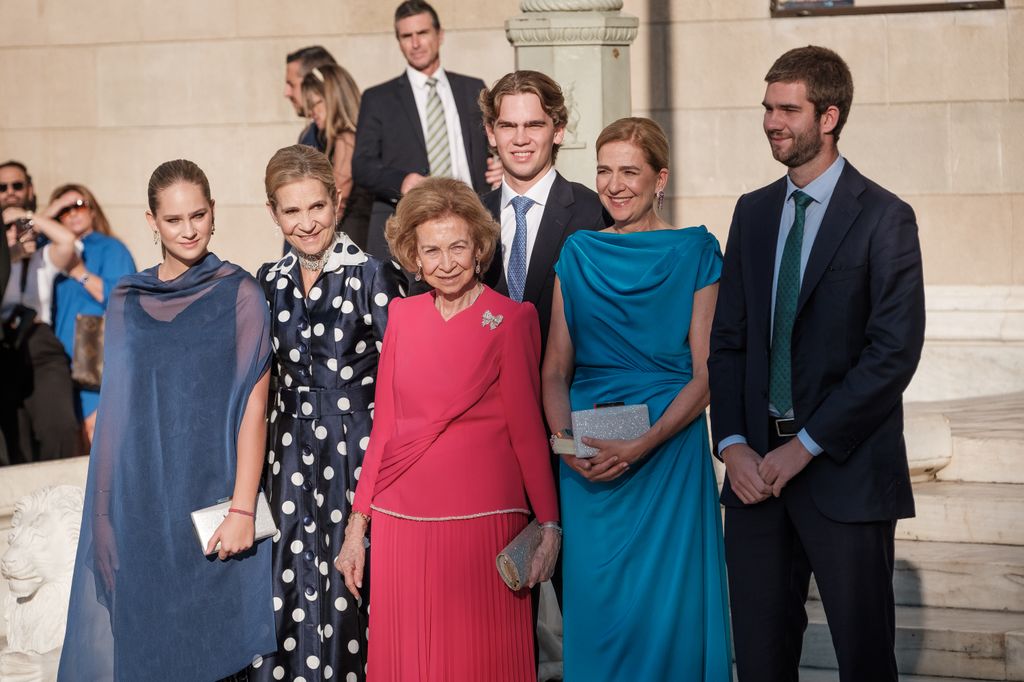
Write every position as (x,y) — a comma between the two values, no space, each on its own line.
(439,612)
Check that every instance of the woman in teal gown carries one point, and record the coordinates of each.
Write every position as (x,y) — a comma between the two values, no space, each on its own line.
(644,570)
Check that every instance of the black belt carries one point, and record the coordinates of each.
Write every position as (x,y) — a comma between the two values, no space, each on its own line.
(304,402)
(783,428)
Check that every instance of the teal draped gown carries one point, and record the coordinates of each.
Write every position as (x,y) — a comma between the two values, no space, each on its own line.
(644,566)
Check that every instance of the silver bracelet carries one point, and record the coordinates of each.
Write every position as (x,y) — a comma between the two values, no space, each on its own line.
(553,525)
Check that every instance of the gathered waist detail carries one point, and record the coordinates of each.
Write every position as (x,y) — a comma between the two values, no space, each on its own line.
(462,517)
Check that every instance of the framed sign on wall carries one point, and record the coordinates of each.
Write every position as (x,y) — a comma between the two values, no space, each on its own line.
(810,8)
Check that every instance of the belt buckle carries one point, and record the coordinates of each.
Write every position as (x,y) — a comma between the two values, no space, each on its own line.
(309,397)
(778,427)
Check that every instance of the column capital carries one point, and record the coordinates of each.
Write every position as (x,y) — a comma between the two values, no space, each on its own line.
(570,28)
(570,5)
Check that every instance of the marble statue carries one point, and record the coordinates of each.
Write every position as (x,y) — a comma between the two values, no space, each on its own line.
(37,566)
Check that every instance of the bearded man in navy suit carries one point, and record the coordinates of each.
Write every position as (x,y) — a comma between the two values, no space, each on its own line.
(817,333)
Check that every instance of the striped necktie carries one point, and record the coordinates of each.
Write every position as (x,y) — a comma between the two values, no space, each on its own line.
(787,293)
(438,153)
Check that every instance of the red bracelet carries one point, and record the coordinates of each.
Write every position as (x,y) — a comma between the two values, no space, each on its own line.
(242,512)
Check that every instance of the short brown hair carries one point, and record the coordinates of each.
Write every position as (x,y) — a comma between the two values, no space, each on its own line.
(439,198)
(297,162)
(411,8)
(824,73)
(99,219)
(310,57)
(525,82)
(646,134)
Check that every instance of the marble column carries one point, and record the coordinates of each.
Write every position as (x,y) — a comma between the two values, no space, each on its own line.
(584,45)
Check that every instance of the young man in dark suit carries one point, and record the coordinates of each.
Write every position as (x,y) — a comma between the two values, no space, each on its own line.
(525,116)
(818,331)
(425,122)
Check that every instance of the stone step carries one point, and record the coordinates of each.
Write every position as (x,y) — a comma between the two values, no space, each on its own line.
(984,645)
(958,575)
(986,458)
(825,675)
(949,511)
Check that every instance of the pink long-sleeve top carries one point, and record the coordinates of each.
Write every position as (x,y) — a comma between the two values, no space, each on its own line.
(457,428)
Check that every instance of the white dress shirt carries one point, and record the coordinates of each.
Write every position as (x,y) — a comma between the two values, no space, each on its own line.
(418,80)
(539,193)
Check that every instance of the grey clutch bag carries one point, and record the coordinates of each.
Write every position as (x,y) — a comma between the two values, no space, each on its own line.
(615,422)
(514,561)
(206,520)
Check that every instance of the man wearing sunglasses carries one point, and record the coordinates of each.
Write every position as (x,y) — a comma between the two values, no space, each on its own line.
(37,415)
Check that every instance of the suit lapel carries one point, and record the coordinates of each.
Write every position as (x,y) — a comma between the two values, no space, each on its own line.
(557,213)
(408,102)
(459,95)
(764,241)
(495,275)
(843,209)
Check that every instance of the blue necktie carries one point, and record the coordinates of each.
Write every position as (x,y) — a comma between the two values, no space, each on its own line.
(787,293)
(516,275)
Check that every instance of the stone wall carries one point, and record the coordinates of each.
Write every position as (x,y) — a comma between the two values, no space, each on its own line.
(102,95)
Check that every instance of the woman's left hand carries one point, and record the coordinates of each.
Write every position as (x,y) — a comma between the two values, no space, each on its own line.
(543,565)
(236,533)
(624,453)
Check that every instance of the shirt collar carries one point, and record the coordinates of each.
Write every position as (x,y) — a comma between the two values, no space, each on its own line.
(418,79)
(821,187)
(343,252)
(539,192)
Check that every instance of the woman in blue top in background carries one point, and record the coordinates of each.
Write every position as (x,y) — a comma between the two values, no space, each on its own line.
(86,284)
(645,592)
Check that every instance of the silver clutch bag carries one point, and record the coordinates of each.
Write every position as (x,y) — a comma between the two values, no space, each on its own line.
(206,520)
(514,561)
(614,422)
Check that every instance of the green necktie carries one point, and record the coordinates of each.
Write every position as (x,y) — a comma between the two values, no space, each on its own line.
(787,292)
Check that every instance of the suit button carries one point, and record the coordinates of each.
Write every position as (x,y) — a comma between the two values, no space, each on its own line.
(310,591)
(307,486)
(308,555)
(306,520)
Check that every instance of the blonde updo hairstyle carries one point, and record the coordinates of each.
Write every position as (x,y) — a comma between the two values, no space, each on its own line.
(645,134)
(436,198)
(294,163)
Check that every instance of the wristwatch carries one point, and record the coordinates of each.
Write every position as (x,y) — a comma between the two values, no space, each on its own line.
(83,279)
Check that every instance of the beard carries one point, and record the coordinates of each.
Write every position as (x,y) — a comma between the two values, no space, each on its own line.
(806,145)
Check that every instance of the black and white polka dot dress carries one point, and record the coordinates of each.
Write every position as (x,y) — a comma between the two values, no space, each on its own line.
(326,347)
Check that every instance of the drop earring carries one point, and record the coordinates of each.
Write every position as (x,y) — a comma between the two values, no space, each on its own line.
(477,268)
(213,230)
(661,198)
(419,273)
(156,237)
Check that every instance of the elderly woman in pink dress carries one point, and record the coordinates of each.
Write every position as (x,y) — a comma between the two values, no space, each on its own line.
(457,459)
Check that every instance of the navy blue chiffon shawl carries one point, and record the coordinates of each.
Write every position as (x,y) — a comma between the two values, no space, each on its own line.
(181,360)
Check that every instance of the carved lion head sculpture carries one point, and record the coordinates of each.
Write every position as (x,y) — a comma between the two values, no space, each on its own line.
(43,539)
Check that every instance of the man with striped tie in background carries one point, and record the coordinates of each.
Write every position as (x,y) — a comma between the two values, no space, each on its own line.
(425,122)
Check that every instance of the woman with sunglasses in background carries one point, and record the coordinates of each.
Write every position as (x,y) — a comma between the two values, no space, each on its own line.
(84,286)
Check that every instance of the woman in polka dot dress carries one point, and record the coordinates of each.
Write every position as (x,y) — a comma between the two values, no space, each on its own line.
(328,303)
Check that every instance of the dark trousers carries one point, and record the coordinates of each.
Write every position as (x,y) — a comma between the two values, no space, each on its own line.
(771,550)
(37,409)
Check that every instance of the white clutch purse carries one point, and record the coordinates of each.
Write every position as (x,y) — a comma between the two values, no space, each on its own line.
(613,422)
(205,521)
